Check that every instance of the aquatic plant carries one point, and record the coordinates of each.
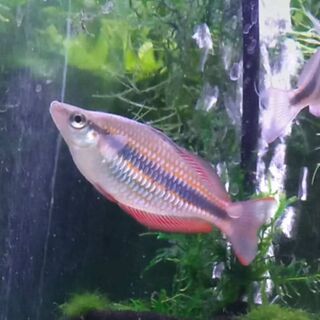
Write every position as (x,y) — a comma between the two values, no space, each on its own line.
(96,306)
(304,15)
(198,293)
(81,303)
(276,312)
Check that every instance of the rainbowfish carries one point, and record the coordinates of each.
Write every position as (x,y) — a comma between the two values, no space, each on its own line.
(157,182)
(282,106)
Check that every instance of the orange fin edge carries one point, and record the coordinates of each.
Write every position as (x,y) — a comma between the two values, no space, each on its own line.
(168,223)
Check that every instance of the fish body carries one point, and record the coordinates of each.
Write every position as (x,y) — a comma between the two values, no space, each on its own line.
(282,106)
(160,184)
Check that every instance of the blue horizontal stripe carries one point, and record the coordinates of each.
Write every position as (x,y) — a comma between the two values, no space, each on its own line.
(170,182)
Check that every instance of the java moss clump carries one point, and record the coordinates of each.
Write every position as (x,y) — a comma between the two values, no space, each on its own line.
(94,306)
(80,304)
(121,315)
(275,312)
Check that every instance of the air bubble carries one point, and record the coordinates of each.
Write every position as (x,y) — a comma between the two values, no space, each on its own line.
(235,71)
(38,88)
(247,28)
(252,46)
(208,98)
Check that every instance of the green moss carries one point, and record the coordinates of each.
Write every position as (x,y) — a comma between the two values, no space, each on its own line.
(275,312)
(80,304)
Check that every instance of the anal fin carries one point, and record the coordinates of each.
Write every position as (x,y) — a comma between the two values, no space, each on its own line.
(168,223)
(104,193)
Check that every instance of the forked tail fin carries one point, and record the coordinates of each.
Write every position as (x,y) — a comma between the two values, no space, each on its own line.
(250,215)
(278,114)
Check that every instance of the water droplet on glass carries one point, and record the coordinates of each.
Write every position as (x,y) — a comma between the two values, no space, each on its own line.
(257,295)
(248,66)
(252,46)
(227,4)
(217,270)
(303,185)
(287,221)
(107,7)
(3,124)
(234,22)
(234,73)
(208,98)
(234,189)
(3,108)
(254,16)
(38,88)
(19,16)
(202,36)
(247,28)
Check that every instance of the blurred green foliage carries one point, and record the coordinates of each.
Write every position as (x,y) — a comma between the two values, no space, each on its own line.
(304,14)
(80,304)
(138,55)
(275,312)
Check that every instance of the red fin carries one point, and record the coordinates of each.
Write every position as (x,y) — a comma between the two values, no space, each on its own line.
(206,172)
(104,193)
(168,223)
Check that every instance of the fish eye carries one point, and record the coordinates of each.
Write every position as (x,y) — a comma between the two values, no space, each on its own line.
(78,120)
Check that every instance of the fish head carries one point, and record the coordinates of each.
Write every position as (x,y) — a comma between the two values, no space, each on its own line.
(75,125)
(91,136)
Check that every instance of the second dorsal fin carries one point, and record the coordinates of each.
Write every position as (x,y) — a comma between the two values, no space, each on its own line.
(206,172)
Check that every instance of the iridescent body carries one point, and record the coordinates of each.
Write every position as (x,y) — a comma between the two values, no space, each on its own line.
(160,184)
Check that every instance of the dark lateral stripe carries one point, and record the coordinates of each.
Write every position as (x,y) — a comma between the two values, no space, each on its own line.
(305,92)
(169,182)
(98,129)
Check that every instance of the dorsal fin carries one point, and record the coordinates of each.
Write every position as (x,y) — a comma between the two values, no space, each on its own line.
(206,172)
(203,168)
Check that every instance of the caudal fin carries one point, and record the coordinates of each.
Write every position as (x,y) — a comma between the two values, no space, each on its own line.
(278,114)
(315,109)
(243,230)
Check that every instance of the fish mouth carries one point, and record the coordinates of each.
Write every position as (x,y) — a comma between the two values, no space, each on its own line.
(54,106)
(59,115)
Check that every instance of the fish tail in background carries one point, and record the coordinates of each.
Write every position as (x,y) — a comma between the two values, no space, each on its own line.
(278,114)
(315,109)
(250,215)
